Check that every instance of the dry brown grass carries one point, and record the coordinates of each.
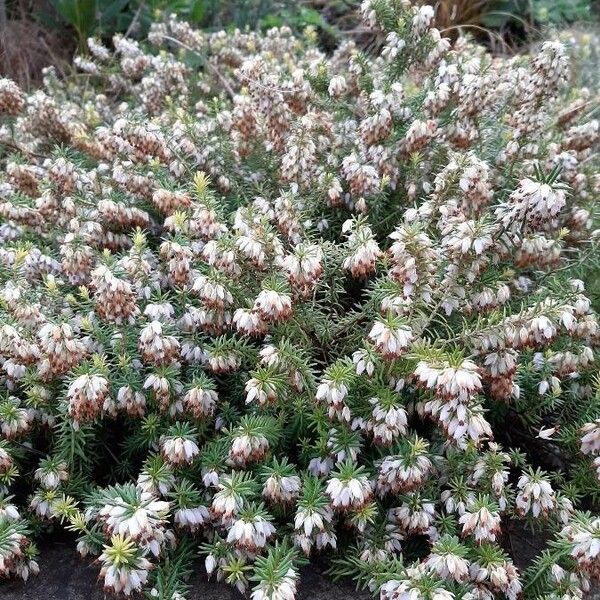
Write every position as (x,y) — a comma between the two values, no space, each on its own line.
(459,12)
(26,47)
(451,16)
(454,16)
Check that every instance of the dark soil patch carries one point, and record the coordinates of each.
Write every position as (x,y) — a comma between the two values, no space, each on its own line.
(65,576)
(27,46)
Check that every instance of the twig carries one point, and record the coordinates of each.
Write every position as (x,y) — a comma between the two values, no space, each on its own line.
(18,148)
(110,452)
(206,63)
(57,62)
(2,15)
(135,19)
(512,550)
(29,448)
(492,34)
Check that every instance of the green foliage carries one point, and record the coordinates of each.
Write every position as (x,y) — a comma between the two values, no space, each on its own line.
(531,13)
(103,18)
(259,301)
(79,14)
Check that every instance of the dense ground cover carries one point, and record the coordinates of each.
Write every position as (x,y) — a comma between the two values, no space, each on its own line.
(260,303)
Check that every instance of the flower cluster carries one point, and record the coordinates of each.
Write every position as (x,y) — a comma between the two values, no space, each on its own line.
(266,302)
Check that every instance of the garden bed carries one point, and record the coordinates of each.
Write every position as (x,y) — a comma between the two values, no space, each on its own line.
(263,306)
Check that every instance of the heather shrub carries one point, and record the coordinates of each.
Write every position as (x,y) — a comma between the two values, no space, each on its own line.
(264,304)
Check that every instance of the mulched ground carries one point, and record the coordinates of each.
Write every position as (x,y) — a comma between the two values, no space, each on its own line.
(65,576)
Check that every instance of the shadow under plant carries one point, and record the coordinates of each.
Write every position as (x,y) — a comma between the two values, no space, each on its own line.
(65,576)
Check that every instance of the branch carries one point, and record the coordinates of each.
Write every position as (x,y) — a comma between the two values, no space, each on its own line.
(206,63)
(18,148)
(135,19)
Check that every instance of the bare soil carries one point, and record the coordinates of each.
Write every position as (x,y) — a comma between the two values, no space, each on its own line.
(65,576)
